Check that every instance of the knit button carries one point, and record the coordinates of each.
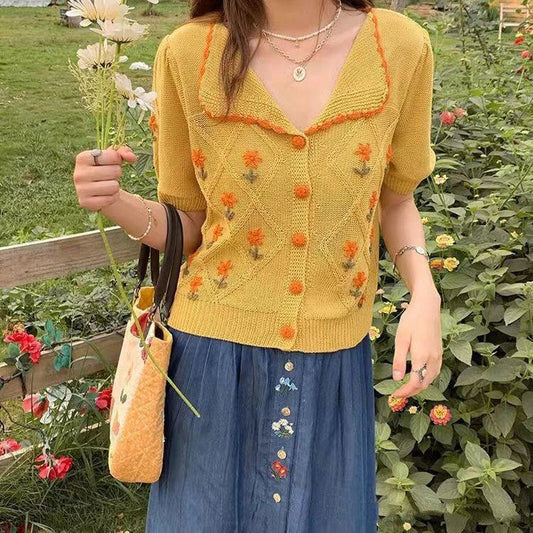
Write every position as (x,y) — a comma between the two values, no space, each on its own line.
(296,287)
(282,454)
(289,366)
(298,239)
(287,332)
(285,411)
(301,191)
(298,141)
(277,497)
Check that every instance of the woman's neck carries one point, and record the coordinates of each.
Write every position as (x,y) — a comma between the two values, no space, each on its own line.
(298,17)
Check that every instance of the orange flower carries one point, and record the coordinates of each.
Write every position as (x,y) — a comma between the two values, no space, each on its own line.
(363,152)
(371,233)
(228,199)
(301,191)
(195,283)
(296,287)
(389,152)
(437,264)
(217,232)
(256,236)
(373,199)
(396,403)
(350,248)
(298,239)
(440,414)
(223,267)
(359,279)
(198,158)
(251,158)
(287,332)
(190,257)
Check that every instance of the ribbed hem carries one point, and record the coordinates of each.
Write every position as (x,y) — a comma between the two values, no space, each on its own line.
(212,319)
(192,203)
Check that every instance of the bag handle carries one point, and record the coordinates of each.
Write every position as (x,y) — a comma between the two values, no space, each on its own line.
(166,280)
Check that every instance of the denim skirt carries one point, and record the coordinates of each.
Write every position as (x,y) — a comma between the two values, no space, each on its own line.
(284,442)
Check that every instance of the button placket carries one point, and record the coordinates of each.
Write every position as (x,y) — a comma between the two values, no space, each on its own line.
(299,241)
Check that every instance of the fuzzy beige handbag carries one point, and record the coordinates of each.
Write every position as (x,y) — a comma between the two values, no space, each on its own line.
(138,397)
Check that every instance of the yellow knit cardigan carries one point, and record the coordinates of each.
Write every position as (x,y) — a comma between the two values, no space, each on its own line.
(289,255)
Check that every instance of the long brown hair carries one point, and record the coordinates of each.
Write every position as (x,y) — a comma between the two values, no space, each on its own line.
(241,17)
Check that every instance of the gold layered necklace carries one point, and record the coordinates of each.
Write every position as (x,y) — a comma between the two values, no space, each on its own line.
(299,71)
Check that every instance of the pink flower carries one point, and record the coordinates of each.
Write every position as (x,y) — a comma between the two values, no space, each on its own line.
(8,445)
(36,404)
(440,414)
(104,399)
(526,54)
(447,118)
(52,467)
(459,112)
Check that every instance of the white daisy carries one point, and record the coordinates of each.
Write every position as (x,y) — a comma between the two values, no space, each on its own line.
(120,31)
(136,97)
(139,65)
(96,56)
(91,11)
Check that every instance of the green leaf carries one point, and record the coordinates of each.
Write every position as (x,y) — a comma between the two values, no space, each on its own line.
(472,472)
(388,386)
(419,425)
(443,434)
(432,394)
(477,456)
(455,523)
(503,465)
(500,502)
(49,327)
(513,313)
(504,416)
(462,350)
(425,499)
(400,470)
(504,370)
(13,350)
(527,403)
(448,490)
(469,376)
(455,280)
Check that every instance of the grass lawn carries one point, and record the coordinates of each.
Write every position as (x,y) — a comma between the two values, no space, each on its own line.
(42,124)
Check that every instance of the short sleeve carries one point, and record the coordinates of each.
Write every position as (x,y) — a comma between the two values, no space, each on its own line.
(411,157)
(176,178)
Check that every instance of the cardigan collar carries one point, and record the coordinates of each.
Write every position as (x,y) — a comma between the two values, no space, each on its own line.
(361,90)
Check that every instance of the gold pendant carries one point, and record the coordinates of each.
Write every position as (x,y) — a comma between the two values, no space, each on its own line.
(299,73)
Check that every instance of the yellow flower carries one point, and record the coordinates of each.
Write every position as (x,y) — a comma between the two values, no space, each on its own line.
(406,526)
(374,333)
(451,263)
(444,240)
(387,308)
(413,409)
(425,220)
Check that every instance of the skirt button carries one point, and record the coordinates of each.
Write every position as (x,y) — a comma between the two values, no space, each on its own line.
(289,365)
(285,411)
(277,497)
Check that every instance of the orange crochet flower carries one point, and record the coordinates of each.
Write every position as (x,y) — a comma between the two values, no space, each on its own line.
(228,199)
(224,267)
(363,152)
(256,236)
(440,414)
(373,199)
(198,158)
(251,158)
(152,123)
(217,232)
(195,283)
(396,403)
(359,279)
(301,191)
(350,248)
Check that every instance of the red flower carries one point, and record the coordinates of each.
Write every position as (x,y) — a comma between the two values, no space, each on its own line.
(35,403)
(103,401)
(279,470)
(52,467)
(8,445)
(29,344)
(16,337)
(143,318)
(440,414)
(519,39)
(526,54)
(447,118)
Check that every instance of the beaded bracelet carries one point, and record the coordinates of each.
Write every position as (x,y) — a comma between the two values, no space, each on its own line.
(419,249)
(150,218)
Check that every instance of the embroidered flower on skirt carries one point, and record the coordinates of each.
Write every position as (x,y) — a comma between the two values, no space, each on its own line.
(283,428)
(285,385)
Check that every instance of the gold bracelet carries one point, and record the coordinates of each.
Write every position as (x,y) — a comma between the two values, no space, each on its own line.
(150,218)
(419,249)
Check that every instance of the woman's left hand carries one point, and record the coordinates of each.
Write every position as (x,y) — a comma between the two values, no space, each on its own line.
(419,332)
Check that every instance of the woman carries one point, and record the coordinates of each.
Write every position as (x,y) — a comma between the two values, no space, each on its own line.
(287,134)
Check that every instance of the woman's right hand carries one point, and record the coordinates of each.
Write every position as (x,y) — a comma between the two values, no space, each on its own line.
(98,186)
